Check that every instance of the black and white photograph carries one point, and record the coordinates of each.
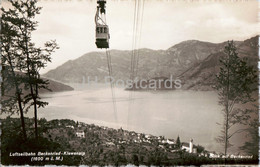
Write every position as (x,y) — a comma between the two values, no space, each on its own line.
(129,83)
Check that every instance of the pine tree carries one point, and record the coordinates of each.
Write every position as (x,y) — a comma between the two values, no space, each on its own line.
(235,84)
(178,142)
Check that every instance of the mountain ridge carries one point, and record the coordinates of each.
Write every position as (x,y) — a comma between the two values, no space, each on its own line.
(202,75)
(176,61)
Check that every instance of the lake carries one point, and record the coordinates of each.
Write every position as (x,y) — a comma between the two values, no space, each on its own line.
(189,114)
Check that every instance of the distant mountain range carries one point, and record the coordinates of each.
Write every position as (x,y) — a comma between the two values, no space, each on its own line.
(194,62)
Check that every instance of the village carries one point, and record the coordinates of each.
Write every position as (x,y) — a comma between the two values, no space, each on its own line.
(103,146)
(112,138)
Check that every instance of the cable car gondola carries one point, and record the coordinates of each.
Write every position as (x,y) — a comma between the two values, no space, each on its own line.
(102,30)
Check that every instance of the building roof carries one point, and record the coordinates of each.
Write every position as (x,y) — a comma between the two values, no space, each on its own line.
(185,144)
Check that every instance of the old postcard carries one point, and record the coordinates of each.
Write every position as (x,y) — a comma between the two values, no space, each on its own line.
(129,82)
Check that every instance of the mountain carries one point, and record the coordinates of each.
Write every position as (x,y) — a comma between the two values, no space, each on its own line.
(194,62)
(152,63)
(201,76)
(54,86)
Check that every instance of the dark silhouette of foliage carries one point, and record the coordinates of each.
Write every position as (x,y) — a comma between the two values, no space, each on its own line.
(135,160)
(178,142)
(252,146)
(200,148)
(11,143)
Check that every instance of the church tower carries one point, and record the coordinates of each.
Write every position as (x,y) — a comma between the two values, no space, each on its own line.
(191,146)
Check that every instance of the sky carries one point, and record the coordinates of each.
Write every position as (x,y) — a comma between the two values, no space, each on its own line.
(165,23)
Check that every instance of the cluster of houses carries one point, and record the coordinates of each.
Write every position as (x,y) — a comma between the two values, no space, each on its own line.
(189,147)
(142,138)
(79,133)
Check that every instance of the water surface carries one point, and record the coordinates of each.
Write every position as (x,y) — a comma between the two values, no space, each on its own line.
(189,114)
